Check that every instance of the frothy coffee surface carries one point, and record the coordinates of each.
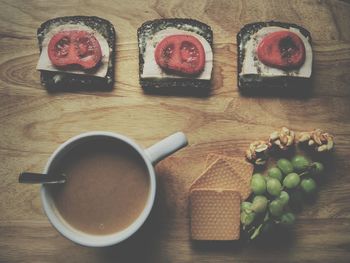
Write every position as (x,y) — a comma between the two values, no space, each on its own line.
(107,186)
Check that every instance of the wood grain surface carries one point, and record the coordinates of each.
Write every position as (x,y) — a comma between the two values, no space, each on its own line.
(34,122)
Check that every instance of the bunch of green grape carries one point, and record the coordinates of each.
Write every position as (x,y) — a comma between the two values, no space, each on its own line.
(270,201)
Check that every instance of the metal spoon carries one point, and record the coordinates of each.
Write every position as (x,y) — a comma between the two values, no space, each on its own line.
(36,178)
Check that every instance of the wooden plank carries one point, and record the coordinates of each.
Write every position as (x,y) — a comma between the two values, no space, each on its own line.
(34,122)
(167,241)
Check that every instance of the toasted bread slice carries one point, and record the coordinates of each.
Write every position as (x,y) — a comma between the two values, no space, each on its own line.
(168,83)
(56,80)
(291,83)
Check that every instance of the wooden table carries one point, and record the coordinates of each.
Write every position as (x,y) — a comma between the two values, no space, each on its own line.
(34,122)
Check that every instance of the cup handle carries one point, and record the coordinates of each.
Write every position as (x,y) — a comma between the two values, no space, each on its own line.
(166,147)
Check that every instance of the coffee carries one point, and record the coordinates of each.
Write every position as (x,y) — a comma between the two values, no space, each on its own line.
(107,186)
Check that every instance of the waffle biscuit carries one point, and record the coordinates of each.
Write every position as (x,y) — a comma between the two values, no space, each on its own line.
(215,214)
(220,175)
(242,167)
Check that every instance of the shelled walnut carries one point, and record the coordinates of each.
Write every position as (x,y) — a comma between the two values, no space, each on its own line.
(319,140)
(257,152)
(283,139)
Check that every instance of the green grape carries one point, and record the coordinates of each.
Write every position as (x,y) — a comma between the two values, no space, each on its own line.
(287,219)
(291,180)
(247,218)
(300,163)
(285,166)
(246,206)
(318,168)
(258,184)
(284,198)
(276,207)
(275,172)
(274,187)
(259,204)
(308,185)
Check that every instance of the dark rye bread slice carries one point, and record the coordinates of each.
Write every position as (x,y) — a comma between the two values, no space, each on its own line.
(259,85)
(147,30)
(69,81)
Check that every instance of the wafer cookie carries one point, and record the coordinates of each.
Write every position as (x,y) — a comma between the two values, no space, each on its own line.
(215,214)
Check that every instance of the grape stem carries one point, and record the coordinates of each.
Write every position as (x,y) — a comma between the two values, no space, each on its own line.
(304,173)
(259,227)
(308,169)
(256,232)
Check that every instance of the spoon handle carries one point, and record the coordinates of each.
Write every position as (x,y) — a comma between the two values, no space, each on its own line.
(36,178)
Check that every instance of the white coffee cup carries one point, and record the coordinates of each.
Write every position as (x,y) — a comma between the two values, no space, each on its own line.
(150,156)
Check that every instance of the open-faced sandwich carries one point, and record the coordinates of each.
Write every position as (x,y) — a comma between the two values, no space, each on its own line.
(273,54)
(175,53)
(76,52)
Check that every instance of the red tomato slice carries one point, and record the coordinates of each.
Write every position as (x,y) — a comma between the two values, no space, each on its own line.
(183,54)
(74,48)
(282,49)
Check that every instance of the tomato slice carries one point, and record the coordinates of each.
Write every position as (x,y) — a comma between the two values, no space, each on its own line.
(282,49)
(74,48)
(182,54)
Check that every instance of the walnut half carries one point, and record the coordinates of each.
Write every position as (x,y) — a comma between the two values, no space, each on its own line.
(319,140)
(257,152)
(283,139)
